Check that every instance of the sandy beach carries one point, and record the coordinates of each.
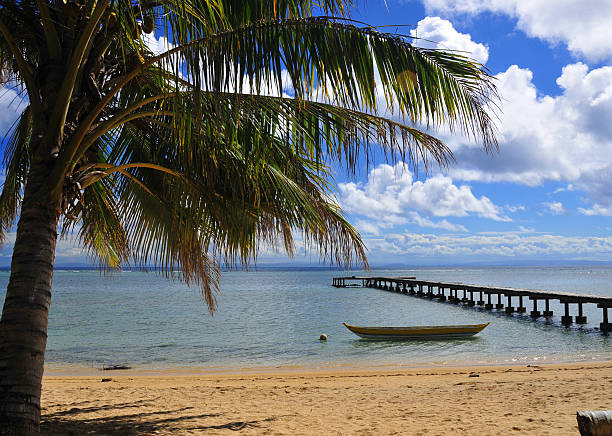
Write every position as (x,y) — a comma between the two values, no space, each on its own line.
(495,400)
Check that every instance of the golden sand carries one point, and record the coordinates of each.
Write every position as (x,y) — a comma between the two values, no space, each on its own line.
(535,400)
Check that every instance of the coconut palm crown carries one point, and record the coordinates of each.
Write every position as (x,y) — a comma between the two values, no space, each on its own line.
(192,155)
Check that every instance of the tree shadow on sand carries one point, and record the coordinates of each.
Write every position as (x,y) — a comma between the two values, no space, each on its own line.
(66,423)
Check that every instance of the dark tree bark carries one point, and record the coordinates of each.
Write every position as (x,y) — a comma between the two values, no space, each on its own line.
(23,326)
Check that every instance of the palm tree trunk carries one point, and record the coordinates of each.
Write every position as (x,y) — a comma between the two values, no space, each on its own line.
(23,326)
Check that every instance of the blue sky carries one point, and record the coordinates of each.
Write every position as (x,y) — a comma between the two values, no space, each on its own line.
(546,196)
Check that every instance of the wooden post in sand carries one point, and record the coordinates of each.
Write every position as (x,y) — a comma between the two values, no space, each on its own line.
(595,422)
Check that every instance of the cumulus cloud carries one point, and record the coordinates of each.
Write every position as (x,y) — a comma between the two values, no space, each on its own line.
(366,227)
(537,144)
(434,32)
(391,197)
(566,138)
(554,207)
(157,45)
(504,245)
(381,225)
(443,224)
(569,188)
(514,209)
(583,26)
(597,209)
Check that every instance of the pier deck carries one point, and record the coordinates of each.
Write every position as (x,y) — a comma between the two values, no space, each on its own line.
(438,290)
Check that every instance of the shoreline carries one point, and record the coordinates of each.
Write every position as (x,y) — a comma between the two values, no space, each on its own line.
(315,372)
(480,400)
(68,370)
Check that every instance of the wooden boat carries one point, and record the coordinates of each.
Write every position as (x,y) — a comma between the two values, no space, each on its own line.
(417,332)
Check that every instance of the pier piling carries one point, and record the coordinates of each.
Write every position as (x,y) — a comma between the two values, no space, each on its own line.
(547,312)
(580,318)
(521,308)
(489,305)
(535,313)
(605,326)
(566,319)
(499,305)
(442,296)
(471,301)
(509,308)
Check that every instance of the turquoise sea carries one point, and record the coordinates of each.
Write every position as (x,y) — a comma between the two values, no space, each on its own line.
(273,318)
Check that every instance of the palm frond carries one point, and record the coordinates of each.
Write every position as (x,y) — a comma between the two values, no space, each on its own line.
(323,57)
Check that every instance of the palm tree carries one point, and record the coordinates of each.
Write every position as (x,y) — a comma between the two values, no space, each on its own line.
(196,154)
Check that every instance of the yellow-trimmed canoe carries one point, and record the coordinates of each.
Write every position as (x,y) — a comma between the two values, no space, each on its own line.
(417,332)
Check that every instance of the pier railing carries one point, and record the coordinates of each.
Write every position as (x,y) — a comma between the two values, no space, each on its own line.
(475,295)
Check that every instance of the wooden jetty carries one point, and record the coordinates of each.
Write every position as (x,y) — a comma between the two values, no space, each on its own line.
(484,296)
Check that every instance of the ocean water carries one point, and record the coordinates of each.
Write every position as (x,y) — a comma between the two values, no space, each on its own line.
(273,318)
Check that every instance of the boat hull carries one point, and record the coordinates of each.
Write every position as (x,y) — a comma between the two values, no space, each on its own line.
(422,332)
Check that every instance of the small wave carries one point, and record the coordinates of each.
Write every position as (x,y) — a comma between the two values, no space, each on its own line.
(172,344)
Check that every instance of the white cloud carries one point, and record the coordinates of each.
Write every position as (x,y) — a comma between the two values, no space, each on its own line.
(597,209)
(381,225)
(391,198)
(516,245)
(514,209)
(157,45)
(434,32)
(554,207)
(366,227)
(563,138)
(584,26)
(443,224)
(569,188)
(543,138)
(536,142)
